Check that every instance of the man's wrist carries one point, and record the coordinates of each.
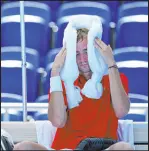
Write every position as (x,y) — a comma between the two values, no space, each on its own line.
(55,72)
(114,66)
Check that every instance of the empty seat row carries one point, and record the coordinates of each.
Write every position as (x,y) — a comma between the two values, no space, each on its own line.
(37,31)
(131,29)
(56,5)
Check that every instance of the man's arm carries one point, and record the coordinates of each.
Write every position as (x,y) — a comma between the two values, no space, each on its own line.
(120,99)
(57,108)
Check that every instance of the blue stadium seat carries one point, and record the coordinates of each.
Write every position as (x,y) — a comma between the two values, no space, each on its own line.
(138,98)
(49,61)
(132,31)
(131,53)
(133,62)
(11,98)
(11,71)
(136,115)
(42,99)
(51,55)
(37,30)
(67,10)
(54,5)
(133,1)
(85,7)
(113,5)
(135,8)
(46,83)
(2,114)
(11,116)
(41,115)
(30,8)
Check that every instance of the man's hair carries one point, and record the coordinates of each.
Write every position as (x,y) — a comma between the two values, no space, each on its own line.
(81,33)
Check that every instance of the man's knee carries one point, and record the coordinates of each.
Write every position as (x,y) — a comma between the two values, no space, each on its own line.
(22,145)
(121,146)
(126,146)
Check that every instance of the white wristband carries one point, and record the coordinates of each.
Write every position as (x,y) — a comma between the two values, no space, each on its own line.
(55,84)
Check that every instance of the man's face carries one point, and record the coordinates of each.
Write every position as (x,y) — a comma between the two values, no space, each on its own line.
(81,56)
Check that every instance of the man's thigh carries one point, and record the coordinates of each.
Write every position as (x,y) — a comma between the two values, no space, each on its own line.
(26,145)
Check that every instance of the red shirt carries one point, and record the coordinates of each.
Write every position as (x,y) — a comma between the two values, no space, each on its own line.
(92,118)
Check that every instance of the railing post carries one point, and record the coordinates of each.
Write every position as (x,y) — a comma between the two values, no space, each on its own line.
(24,82)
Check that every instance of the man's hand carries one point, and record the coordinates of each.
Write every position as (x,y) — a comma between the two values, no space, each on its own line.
(59,62)
(120,99)
(106,51)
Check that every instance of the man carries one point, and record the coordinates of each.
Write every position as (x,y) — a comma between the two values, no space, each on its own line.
(92,118)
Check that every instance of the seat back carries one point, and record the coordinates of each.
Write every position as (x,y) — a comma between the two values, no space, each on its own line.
(11,71)
(132,31)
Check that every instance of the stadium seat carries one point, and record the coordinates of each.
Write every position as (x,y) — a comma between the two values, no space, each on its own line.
(138,98)
(51,55)
(113,5)
(131,53)
(136,115)
(133,1)
(11,98)
(11,71)
(132,31)
(2,114)
(84,7)
(133,62)
(42,115)
(42,99)
(54,5)
(14,98)
(11,115)
(49,61)
(67,10)
(37,30)
(46,83)
(135,8)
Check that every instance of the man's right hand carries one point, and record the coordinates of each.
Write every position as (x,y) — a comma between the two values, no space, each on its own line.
(57,109)
(59,62)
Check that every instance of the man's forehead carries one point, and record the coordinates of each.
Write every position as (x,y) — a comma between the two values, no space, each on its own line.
(82,44)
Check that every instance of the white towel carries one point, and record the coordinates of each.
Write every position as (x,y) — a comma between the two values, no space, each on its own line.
(69,73)
(125,131)
(45,133)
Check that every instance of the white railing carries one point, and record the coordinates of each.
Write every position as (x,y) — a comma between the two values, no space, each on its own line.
(44,106)
(34,107)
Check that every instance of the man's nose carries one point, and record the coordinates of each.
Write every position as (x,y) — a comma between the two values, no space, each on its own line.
(83,58)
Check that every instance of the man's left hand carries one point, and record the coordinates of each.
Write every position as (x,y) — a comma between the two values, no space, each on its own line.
(105,51)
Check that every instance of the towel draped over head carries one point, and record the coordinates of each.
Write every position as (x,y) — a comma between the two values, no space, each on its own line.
(69,73)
